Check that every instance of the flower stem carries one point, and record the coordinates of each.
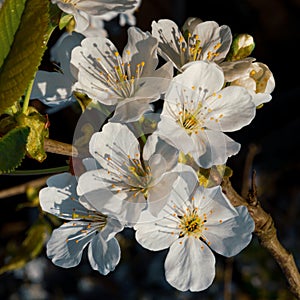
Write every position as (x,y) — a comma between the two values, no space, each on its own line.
(27,96)
(40,172)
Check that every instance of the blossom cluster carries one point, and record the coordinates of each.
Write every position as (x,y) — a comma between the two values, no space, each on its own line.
(169,99)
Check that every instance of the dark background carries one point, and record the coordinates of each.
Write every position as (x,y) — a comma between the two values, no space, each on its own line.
(275,25)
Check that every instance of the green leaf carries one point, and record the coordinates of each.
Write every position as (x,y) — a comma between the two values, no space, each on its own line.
(31,247)
(26,47)
(10,17)
(38,125)
(13,148)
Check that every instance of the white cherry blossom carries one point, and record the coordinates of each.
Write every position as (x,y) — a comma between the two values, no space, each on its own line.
(259,80)
(197,110)
(192,224)
(85,228)
(129,180)
(55,88)
(200,41)
(130,82)
(85,10)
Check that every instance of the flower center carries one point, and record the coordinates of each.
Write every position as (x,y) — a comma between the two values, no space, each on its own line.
(127,173)
(123,80)
(191,46)
(190,121)
(192,224)
(96,221)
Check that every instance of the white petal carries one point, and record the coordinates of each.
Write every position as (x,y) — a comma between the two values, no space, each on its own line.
(114,145)
(112,227)
(231,109)
(65,246)
(233,235)
(51,87)
(93,180)
(94,7)
(183,188)
(155,233)
(215,204)
(141,47)
(95,59)
(236,69)
(60,198)
(170,131)
(261,98)
(218,147)
(168,35)
(202,76)
(211,36)
(190,265)
(104,256)
(131,111)
(159,194)
(161,156)
(126,207)
(61,51)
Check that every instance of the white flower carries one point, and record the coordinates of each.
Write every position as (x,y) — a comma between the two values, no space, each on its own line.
(129,82)
(84,10)
(258,79)
(194,222)
(200,41)
(55,88)
(197,110)
(85,227)
(96,27)
(128,181)
(126,17)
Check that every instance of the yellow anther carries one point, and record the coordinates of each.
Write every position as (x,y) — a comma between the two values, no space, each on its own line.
(217,46)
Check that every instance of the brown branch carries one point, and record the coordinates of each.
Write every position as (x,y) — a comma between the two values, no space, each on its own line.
(253,150)
(53,146)
(20,189)
(266,232)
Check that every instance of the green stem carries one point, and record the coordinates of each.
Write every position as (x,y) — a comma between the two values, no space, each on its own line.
(41,172)
(27,97)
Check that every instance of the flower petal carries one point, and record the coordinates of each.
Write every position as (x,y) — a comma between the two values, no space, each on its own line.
(233,235)
(170,39)
(230,109)
(104,256)
(170,131)
(51,88)
(114,146)
(215,40)
(190,265)
(131,110)
(141,48)
(202,76)
(161,156)
(159,194)
(213,148)
(60,198)
(66,244)
(153,233)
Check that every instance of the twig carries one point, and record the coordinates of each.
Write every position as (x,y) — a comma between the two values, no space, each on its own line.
(20,189)
(253,150)
(228,278)
(60,148)
(266,232)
